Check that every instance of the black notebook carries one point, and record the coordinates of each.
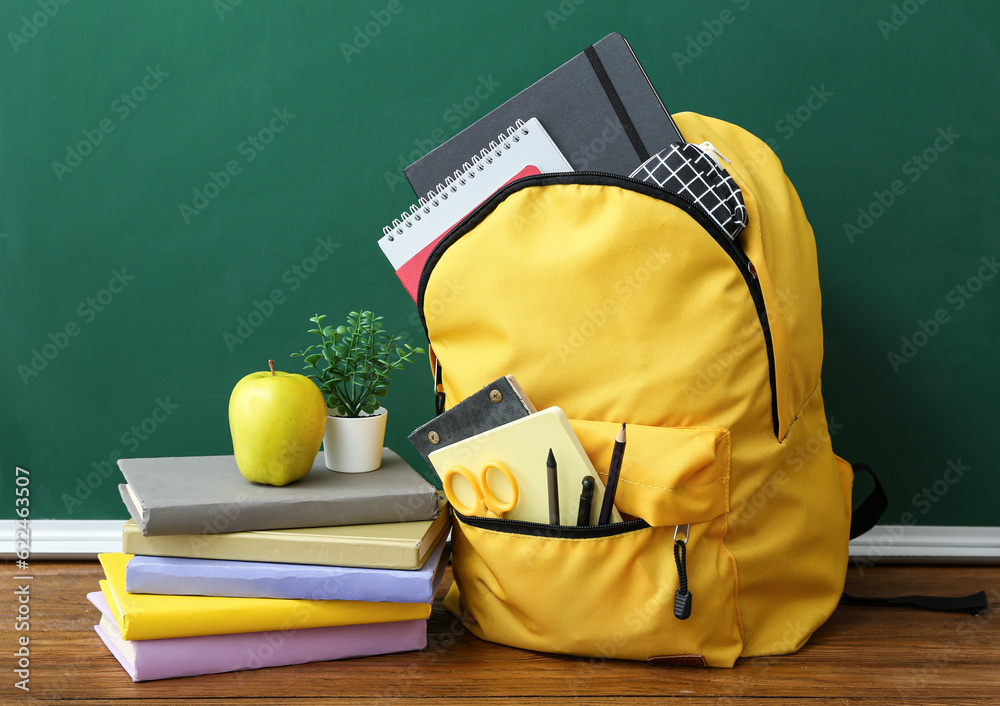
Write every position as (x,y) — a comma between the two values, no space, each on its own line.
(599,108)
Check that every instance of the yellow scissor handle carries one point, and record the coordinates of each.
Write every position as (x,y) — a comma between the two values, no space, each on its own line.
(494,507)
(479,508)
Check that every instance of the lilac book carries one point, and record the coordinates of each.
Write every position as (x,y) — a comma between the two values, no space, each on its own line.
(147,660)
(251,579)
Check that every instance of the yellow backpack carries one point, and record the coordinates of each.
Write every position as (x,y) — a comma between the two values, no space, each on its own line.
(621,302)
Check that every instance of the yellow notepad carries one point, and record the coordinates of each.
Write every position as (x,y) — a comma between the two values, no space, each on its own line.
(523,446)
(151,616)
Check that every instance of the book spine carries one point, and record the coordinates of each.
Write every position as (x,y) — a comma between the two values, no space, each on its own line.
(248,580)
(215,654)
(204,615)
(286,548)
(216,518)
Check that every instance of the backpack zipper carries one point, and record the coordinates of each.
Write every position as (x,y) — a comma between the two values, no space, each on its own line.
(731,248)
(539,529)
(682,597)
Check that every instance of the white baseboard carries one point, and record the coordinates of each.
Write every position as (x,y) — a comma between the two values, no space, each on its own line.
(84,539)
(915,543)
(64,539)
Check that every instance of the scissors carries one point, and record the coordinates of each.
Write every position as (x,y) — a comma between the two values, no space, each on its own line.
(485,502)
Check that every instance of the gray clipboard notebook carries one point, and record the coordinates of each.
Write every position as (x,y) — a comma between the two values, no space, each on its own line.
(498,403)
(599,108)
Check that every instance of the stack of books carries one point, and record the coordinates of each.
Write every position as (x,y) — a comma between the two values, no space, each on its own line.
(218,574)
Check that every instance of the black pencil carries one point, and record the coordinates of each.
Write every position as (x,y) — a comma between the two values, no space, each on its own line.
(550,465)
(586,497)
(609,491)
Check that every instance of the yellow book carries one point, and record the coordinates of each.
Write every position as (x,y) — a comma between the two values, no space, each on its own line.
(151,616)
(393,545)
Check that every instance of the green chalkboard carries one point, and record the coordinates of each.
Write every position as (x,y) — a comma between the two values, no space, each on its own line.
(182,184)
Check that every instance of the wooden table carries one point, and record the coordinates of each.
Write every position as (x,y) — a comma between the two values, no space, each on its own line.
(897,655)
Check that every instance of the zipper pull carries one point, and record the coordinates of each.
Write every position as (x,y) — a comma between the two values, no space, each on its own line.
(708,148)
(438,387)
(682,601)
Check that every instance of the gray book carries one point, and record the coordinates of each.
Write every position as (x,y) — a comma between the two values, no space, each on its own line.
(207,495)
(599,108)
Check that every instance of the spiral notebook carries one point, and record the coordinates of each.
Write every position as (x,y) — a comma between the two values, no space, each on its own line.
(523,150)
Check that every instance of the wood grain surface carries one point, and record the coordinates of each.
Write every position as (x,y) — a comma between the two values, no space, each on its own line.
(895,655)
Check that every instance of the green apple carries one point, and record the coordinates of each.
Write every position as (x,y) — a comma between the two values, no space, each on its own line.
(277,421)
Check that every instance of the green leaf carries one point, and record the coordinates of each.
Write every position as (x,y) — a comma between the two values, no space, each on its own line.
(355,359)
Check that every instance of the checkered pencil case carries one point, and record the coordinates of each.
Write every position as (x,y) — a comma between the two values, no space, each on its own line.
(687,170)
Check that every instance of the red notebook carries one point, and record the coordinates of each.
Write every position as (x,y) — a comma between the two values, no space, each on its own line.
(526,149)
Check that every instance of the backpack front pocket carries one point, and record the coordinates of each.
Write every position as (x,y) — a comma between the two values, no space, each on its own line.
(611,591)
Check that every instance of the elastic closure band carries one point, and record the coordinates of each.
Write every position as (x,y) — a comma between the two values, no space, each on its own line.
(616,103)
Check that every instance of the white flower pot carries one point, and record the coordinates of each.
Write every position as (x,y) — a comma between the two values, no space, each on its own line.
(354,444)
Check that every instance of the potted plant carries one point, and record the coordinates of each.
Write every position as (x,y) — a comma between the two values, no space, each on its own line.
(352,364)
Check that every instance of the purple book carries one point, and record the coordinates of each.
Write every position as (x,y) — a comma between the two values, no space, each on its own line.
(146,660)
(251,579)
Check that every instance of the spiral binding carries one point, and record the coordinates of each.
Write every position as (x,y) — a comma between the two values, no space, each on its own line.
(453,183)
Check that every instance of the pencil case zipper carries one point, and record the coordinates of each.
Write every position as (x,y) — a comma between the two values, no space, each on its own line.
(732,248)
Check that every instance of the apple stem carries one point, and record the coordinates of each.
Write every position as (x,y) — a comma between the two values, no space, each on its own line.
(271,363)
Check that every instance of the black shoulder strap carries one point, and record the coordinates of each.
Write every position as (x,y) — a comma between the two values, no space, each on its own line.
(945,604)
(871,508)
(862,520)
